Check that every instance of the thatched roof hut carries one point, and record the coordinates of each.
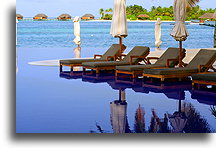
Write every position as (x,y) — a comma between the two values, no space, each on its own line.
(40,16)
(214,15)
(87,17)
(143,16)
(210,16)
(207,16)
(19,16)
(64,17)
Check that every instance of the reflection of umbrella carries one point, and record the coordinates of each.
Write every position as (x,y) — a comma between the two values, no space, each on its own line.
(179,31)
(77,31)
(118,116)
(119,21)
(158,33)
(178,121)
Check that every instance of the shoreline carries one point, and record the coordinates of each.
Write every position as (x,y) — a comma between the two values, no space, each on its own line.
(98,20)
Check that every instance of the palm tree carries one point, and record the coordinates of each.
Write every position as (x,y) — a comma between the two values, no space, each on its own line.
(139,125)
(213,110)
(195,123)
(101,11)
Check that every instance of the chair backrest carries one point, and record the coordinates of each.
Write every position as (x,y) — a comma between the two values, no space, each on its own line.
(170,53)
(112,51)
(203,57)
(136,51)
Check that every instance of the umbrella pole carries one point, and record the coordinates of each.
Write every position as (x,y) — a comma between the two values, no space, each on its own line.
(120,43)
(180,54)
(179,105)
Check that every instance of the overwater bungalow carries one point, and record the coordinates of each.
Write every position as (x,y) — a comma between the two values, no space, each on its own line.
(143,17)
(64,17)
(19,16)
(40,16)
(87,17)
(207,16)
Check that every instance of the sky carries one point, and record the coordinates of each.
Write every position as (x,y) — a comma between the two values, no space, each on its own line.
(53,8)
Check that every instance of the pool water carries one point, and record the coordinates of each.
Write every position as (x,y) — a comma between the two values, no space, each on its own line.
(48,101)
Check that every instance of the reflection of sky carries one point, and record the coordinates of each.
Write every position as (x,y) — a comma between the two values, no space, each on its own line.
(47,103)
(80,7)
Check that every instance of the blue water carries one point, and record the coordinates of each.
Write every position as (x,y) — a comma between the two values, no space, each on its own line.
(50,102)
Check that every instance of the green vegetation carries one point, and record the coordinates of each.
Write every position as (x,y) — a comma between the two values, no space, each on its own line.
(165,13)
(106,14)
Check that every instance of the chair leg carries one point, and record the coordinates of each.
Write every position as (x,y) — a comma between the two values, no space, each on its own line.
(71,68)
(97,71)
(162,79)
(84,70)
(60,68)
(116,74)
(134,75)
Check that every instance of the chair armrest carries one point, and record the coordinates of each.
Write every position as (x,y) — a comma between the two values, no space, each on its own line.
(97,55)
(140,57)
(109,57)
(121,56)
(151,58)
(168,60)
(185,64)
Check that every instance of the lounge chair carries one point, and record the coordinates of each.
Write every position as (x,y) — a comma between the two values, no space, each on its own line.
(169,58)
(112,53)
(137,54)
(204,78)
(202,62)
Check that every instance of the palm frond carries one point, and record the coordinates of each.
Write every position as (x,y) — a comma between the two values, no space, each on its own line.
(213,110)
(192,3)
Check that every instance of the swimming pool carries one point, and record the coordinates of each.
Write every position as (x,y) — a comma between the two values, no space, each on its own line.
(48,101)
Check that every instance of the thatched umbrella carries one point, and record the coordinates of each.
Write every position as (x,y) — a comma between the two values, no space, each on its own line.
(40,16)
(158,33)
(19,16)
(179,31)
(64,17)
(119,27)
(77,31)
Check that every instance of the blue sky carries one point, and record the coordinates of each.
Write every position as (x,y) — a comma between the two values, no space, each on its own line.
(53,8)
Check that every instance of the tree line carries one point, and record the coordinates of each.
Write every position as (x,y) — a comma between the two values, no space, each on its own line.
(165,13)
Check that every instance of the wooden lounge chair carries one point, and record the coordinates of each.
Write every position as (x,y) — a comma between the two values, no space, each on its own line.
(168,59)
(110,54)
(137,54)
(202,62)
(204,78)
